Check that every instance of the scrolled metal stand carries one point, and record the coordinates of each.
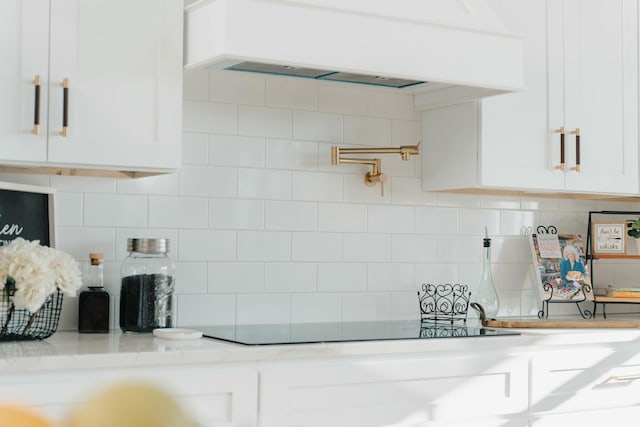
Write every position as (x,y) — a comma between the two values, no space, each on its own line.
(448,302)
(579,297)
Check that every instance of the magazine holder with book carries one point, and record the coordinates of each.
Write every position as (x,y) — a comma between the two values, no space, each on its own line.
(561,271)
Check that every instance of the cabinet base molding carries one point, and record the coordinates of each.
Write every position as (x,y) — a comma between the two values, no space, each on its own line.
(101,173)
(534,194)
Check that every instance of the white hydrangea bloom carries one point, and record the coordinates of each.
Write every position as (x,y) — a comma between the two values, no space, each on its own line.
(37,271)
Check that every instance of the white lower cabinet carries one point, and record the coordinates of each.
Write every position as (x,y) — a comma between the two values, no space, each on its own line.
(216,395)
(586,385)
(412,390)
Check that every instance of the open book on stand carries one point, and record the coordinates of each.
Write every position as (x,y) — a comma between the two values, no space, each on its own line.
(560,267)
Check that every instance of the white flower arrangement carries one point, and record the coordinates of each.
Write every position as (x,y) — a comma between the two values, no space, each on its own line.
(31,272)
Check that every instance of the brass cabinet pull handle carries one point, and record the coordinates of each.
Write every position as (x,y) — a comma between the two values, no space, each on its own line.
(65,107)
(622,378)
(561,132)
(36,112)
(577,134)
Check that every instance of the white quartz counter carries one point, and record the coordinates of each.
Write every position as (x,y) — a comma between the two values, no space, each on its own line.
(71,350)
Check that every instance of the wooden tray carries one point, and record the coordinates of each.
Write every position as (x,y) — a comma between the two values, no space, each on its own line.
(559,324)
(545,323)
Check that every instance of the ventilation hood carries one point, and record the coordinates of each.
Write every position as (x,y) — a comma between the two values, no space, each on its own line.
(443,51)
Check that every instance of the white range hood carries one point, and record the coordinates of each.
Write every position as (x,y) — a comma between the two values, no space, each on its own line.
(443,51)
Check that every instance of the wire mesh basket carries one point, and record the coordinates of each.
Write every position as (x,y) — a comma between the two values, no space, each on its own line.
(448,302)
(20,325)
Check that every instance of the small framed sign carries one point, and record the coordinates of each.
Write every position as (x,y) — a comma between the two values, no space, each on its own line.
(609,238)
(26,211)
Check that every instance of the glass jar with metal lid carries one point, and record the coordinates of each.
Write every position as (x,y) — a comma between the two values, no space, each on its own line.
(146,293)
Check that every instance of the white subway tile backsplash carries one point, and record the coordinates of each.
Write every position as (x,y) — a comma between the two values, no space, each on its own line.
(295,94)
(214,181)
(158,184)
(390,219)
(458,200)
(323,187)
(459,249)
(474,222)
(367,131)
(235,277)
(366,247)
(264,246)
(206,245)
(408,191)
(314,308)
(342,277)
(413,248)
(68,209)
(264,229)
(263,309)
(436,220)
(265,122)
(515,223)
(404,306)
(349,218)
(290,277)
(264,184)
(190,278)
(318,247)
(342,99)
(407,132)
(391,105)
(115,210)
(240,214)
(80,241)
(195,85)
(26,178)
(197,310)
(360,307)
(237,88)
(232,150)
(178,212)
(313,126)
(209,117)
(83,184)
(356,191)
(391,277)
(436,274)
(500,202)
(292,154)
(293,216)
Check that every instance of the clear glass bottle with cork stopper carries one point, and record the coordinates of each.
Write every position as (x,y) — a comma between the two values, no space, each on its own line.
(486,295)
(93,306)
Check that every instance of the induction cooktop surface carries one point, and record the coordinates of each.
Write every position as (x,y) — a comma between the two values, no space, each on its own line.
(306,333)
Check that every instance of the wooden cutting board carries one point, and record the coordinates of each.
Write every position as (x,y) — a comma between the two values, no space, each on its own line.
(546,323)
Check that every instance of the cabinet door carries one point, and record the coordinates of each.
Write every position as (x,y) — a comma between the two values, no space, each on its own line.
(395,391)
(223,394)
(123,63)
(600,97)
(24,39)
(579,378)
(519,148)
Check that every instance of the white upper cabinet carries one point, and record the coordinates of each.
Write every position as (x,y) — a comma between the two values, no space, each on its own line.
(581,75)
(24,45)
(119,63)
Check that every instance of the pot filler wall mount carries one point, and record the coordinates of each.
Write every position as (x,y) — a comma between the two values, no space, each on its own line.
(375,175)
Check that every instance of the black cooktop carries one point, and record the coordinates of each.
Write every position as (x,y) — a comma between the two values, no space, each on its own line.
(306,333)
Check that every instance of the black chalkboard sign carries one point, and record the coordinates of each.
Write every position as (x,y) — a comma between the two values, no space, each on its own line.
(27,212)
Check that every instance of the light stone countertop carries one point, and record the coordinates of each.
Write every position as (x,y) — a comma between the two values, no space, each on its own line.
(71,350)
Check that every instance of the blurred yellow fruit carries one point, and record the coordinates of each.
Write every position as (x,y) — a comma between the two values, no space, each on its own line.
(16,416)
(129,405)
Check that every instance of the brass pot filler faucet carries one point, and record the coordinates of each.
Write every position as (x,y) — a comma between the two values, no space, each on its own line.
(376,175)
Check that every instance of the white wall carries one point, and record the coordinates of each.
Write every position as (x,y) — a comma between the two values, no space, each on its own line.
(265,230)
